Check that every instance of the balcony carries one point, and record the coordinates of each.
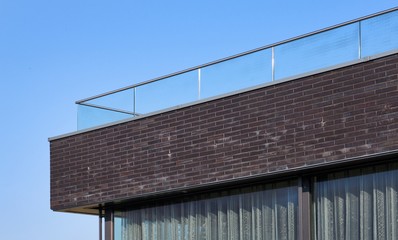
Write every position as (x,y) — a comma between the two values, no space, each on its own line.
(330,48)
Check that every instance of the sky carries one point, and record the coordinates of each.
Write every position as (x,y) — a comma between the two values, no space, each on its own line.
(53,53)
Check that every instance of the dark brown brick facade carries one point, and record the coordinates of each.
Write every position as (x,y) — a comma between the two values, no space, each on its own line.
(344,113)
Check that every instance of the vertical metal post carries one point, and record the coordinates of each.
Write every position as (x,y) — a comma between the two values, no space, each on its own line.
(199,83)
(100,222)
(359,40)
(273,63)
(109,233)
(134,100)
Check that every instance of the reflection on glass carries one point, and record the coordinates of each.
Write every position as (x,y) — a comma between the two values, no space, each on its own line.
(117,230)
(165,93)
(317,51)
(258,212)
(380,34)
(235,74)
(90,116)
(123,100)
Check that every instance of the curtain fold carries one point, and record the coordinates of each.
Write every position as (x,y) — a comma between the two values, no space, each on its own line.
(357,204)
(252,213)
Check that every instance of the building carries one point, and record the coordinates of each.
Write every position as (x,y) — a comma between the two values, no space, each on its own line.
(296,140)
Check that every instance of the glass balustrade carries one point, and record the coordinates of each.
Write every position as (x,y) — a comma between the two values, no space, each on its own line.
(235,74)
(324,49)
(317,51)
(379,34)
(168,92)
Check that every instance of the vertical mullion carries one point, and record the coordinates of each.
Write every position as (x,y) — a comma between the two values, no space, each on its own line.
(100,222)
(300,209)
(304,209)
(109,221)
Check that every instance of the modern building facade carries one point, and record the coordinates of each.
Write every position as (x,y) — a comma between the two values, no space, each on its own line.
(296,140)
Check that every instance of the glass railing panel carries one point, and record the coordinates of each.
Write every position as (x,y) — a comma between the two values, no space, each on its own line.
(235,74)
(379,34)
(92,116)
(168,92)
(340,45)
(317,51)
(123,100)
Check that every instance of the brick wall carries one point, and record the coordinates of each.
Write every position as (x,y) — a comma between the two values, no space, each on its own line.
(348,112)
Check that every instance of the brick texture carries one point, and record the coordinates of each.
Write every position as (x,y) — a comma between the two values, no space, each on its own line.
(332,116)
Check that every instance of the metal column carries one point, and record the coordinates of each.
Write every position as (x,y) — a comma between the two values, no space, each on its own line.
(109,233)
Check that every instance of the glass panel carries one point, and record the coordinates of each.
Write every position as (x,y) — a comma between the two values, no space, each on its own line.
(123,100)
(165,93)
(235,74)
(317,51)
(118,232)
(357,204)
(257,212)
(379,34)
(90,116)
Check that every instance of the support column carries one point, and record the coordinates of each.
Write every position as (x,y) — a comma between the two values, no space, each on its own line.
(304,211)
(100,222)
(109,224)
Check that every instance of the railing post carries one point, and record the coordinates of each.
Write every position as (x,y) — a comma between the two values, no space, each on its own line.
(199,83)
(273,63)
(134,102)
(359,40)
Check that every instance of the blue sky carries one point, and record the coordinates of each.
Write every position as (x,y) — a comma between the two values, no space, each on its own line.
(53,53)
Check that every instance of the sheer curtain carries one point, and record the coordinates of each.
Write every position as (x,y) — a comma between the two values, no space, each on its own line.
(357,204)
(259,212)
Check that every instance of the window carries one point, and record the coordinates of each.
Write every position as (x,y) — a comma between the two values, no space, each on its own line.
(258,212)
(357,204)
